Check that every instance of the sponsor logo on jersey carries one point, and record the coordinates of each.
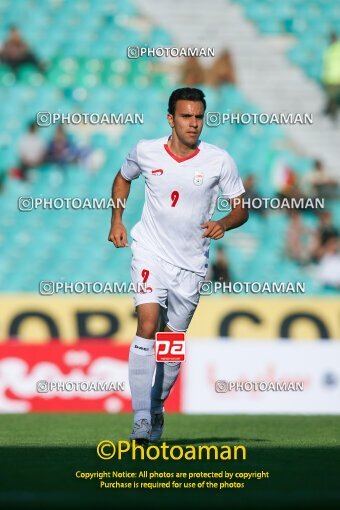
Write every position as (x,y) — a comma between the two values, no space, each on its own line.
(159,171)
(198,178)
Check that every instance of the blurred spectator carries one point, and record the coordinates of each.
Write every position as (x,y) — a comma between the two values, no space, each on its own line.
(323,185)
(62,150)
(324,233)
(15,52)
(3,177)
(3,167)
(193,73)
(288,187)
(222,71)
(298,239)
(329,268)
(251,194)
(331,76)
(32,151)
(219,267)
(284,178)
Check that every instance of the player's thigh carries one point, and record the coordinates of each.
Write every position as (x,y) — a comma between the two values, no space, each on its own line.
(183,298)
(148,317)
(146,277)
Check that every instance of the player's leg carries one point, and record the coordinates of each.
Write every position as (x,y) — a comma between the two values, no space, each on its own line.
(183,297)
(144,269)
(141,368)
(165,377)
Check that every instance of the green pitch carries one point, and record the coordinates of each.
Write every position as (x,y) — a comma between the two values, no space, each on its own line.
(40,454)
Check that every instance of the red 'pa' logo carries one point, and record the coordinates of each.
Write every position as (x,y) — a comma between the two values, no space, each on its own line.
(170,346)
(159,171)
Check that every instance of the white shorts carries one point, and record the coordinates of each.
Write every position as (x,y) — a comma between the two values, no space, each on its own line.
(175,289)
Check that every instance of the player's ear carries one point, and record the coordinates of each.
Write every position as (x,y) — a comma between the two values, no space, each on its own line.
(170,120)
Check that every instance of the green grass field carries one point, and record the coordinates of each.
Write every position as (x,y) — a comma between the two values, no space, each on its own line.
(40,454)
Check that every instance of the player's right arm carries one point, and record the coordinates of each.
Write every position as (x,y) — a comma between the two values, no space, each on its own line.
(120,192)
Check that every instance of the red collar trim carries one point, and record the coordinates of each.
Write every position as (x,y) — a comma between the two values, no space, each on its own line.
(177,158)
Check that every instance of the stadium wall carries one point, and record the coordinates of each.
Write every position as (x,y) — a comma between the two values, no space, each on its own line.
(28,371)
(38,319)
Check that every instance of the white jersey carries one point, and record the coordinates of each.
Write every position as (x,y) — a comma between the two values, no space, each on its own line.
(180,195)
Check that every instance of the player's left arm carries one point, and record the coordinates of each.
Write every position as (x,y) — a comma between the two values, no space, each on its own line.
(237,216)
(231,187)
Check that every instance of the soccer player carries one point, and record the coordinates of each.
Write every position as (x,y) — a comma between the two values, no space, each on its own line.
(170,248)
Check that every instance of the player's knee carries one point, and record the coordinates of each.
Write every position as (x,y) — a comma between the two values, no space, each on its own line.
(147,329)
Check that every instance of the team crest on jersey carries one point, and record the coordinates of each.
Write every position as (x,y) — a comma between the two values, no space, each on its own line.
(198,179)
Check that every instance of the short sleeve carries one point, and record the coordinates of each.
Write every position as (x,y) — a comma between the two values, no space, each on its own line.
(230,183)
(130,169)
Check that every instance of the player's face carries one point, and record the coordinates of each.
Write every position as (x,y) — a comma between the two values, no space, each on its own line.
(187,121)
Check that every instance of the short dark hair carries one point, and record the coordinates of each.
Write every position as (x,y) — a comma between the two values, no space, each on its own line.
(187,93)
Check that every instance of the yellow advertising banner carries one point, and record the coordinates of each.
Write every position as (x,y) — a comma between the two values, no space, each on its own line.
(39,319)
